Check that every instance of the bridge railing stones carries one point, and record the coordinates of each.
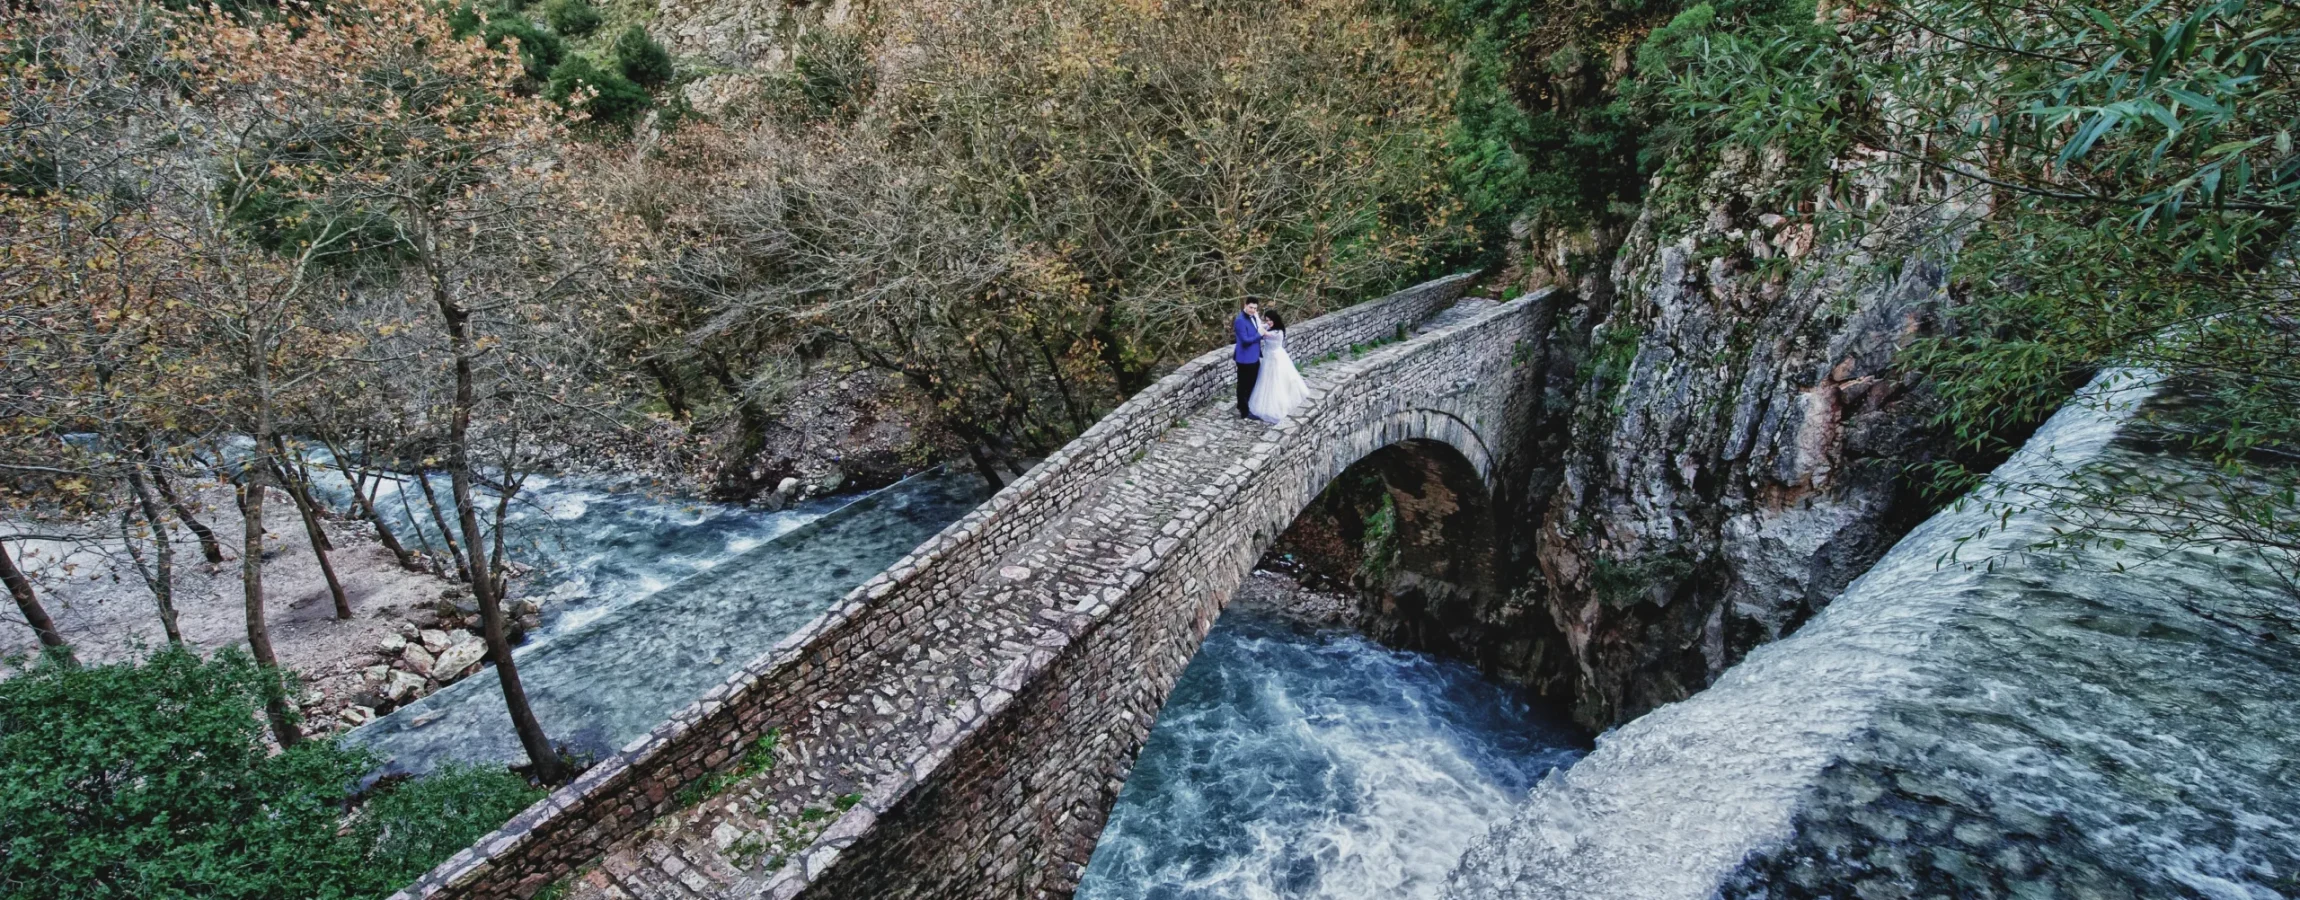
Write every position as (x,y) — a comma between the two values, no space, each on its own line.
(643,782)
(1011,804)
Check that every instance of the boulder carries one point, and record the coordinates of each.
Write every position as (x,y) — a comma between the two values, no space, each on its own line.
(376,674)
(392,644)
(356,715)
(466,650)
(463,606)
(403,685)
(435,640)
(417,660)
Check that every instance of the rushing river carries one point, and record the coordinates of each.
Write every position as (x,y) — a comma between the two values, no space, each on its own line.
(664,599)
(595,542)
(1312,763)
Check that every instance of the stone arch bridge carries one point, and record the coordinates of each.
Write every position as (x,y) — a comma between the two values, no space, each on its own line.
(959,725)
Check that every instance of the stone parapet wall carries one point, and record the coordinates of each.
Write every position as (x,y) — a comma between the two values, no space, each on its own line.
(1012,806)
(886,615)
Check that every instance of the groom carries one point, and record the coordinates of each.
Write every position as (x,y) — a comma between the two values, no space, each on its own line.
(1248,354)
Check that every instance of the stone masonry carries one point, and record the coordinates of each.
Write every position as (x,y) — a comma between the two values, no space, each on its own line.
(959,725)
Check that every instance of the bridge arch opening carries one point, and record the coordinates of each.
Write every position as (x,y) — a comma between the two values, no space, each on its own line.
(1409,532)
(1300,760)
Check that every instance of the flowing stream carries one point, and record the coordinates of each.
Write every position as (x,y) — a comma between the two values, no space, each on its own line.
(593,541)
(1312,763)
(1977,716)
(662,599)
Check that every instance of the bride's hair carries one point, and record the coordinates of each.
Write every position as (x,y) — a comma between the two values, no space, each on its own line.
(1277,322)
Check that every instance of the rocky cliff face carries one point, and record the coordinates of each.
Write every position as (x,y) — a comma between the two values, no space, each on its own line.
(1728,438)
(736,44)
(1728,443)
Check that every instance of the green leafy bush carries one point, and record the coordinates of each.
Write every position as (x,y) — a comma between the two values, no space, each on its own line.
(540,52)
(609,98)
(831,78)
(411,828)
(573,18)
(1545,128)
(642,58)
(154,781)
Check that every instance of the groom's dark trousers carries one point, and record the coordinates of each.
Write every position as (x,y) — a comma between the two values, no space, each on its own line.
(1248,356)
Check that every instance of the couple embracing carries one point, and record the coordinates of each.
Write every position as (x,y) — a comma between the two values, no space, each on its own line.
(1269,386)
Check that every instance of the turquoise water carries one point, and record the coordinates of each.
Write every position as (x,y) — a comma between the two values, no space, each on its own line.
(598,682)
(592,541)
(1293,762)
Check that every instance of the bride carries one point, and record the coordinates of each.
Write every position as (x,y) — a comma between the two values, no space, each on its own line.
(1279,388)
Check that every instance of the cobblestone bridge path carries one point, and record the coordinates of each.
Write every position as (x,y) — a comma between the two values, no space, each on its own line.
(851,728)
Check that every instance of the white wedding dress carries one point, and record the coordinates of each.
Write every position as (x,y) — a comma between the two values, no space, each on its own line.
(1279,389)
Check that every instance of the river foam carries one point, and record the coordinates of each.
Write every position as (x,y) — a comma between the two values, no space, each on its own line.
(1313,763)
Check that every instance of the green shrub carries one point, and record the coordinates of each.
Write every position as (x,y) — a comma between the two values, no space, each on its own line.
(642,58)
(832,78)
(410,829)
(540,52)
(154,780)
(614,100)
(573,18)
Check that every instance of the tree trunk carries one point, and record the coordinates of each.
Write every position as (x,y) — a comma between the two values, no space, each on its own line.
(295,479)
(983,466)
(251,494)
(752,422)
(163,551)
(318,535)
(209,547)
(454,551)
(367,508)
(428,553)
(674,390)
(1132,376)
(28,603)
(540,753)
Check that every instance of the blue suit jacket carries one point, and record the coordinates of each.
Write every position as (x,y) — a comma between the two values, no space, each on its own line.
(1249,340)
